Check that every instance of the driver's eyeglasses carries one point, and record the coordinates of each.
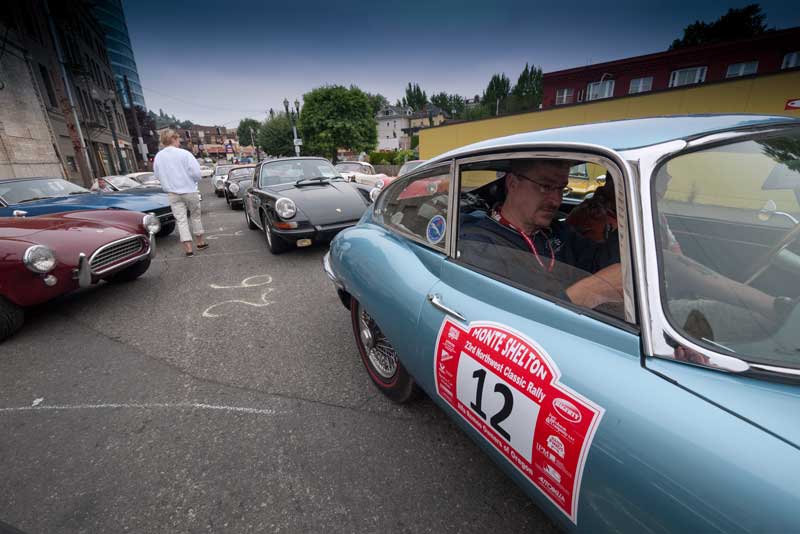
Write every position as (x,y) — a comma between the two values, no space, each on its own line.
(546,189)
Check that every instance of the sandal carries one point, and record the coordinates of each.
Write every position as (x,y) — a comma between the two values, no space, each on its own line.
(188,254)
(201,247)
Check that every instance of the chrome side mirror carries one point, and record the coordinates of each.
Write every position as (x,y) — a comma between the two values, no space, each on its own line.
(770,209)
(600,180)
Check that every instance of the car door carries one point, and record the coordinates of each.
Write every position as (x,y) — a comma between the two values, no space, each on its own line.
(252,201)
(558,396)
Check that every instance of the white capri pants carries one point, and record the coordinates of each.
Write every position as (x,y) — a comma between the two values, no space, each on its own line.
(180,203)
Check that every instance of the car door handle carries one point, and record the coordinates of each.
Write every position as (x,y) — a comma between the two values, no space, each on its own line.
(436,300)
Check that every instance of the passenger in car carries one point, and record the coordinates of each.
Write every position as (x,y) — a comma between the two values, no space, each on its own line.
(521,241)
(596,217)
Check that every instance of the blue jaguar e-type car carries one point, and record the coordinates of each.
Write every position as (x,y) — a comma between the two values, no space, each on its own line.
(632,362)
(43,195)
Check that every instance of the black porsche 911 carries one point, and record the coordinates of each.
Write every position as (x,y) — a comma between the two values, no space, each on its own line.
(300,201)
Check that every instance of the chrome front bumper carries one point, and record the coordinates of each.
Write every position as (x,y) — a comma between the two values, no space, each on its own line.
(326,265)
(84,273)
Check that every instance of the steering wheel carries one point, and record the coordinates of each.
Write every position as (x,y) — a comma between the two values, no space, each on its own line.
(762,264)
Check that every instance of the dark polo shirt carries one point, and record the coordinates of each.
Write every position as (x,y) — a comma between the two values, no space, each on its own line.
(491,246)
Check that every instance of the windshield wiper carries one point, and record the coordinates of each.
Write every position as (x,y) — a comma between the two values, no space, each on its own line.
(79,192)
(315,179)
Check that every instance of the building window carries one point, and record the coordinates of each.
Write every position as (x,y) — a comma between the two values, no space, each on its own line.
(563,96)
(791,60)
(741,69)
(687,76)
(598,90)
(48,86)
(641,85)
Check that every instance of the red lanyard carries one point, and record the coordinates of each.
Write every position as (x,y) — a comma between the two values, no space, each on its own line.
(497,216)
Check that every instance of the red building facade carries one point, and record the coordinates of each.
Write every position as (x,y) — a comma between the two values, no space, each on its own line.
(770,53)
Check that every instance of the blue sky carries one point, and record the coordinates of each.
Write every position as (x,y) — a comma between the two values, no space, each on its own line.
(215,62)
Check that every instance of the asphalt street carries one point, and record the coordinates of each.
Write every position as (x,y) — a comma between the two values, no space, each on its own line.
(224,393)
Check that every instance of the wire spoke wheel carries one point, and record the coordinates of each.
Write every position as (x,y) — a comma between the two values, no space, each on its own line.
(380,352)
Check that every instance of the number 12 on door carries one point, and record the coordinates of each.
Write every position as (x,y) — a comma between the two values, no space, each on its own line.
(506,411)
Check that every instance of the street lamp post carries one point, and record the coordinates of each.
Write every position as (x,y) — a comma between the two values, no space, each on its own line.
(293,116)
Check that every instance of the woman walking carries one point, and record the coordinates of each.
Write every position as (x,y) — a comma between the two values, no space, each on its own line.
(179,172)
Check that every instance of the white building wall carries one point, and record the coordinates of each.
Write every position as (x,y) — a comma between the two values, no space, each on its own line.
(390,130)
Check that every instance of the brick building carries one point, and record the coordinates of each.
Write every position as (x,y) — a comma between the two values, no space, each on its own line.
(766,54)
(78,97)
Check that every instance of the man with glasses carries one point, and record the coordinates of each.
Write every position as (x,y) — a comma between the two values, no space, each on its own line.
(522,240)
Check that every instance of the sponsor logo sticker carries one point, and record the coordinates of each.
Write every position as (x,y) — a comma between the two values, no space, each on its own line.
(435,231)
(567,410)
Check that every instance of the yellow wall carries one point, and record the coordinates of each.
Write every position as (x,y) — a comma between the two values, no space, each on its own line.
(763,94)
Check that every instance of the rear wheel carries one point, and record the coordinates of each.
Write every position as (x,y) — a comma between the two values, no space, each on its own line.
(380,358)
(276,244)
(11,318)
(130,273)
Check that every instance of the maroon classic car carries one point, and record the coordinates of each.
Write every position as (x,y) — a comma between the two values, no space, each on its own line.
(44,257)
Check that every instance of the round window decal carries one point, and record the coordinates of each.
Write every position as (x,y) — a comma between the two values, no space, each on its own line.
(435,230)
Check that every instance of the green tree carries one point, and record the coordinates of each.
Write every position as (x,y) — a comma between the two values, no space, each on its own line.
(527,93)
(453,104)
(415,97)
(336,117)
(247,131)
(496,93)
(185,124)
(735,24)
(376,102)
(275,136)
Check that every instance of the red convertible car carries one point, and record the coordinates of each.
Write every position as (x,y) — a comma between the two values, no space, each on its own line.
(44,257)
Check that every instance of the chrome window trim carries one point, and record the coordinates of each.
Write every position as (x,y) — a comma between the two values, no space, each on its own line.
(656,328)
(620,172)
(381,200)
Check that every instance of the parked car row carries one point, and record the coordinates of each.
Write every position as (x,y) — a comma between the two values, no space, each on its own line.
(665,402)
(56,236)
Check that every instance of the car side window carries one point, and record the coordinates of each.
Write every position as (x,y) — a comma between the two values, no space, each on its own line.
(515,225)
(417,207)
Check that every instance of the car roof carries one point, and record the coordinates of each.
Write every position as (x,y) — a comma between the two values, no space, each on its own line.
(626,134)
(26,178)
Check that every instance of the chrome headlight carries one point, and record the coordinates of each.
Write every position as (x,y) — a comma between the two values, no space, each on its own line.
(151,223)
(380,183)
(39,259)
(234,187)
(373,194)
(285,208)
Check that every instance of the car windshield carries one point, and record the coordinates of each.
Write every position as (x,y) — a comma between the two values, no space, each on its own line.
(14,191)
(220,171)
(351,167)
(297,169)
(245,172)
(409,166)
(142,178)
(728,223)
(123,182)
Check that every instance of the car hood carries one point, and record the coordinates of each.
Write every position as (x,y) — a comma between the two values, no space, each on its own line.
(325,203)
(66,237)
(130,199)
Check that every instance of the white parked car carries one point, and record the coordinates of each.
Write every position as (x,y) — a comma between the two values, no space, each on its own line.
(147,179)
(206,171)
(218,179)
(360,172)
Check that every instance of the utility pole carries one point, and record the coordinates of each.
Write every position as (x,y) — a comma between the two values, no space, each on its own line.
(108,106)
(68,107)
(295,112)
(137,130)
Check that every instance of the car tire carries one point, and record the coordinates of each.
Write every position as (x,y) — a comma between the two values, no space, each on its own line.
(130,273)
(166,229)
(275,244)
(250,224)
(218,192)
(380,358)
(11,318)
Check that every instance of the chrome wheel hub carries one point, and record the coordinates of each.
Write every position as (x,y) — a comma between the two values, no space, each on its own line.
(380,352)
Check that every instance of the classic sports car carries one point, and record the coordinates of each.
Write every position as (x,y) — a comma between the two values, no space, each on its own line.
(361,172)
(30,197)
(299,201)
(218,179)
(44,257)
(648,382)
(147,179)
(239,179)
(111,184)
